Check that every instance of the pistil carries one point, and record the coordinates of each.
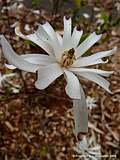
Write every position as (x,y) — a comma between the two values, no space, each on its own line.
(68,58)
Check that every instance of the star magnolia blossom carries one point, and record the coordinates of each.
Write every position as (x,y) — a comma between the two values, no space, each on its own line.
(5,77)
(65,56)
(91,102)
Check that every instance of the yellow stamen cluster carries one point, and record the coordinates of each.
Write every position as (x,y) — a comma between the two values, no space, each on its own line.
(68,58)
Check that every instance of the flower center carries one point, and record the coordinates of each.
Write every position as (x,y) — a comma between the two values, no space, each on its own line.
(67,58)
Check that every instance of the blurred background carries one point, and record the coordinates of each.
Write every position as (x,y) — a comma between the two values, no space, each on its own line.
(38,125)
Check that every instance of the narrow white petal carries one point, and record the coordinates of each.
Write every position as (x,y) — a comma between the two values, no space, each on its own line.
(76,36)
(97,79)
(15,59)
(80,114)
(47,74)
(49,30)
(97,71)
(60,39)
(36,39)
(92,157)
(85,45)
(9,66)
(76,149)
(73,85)
(52,34)
(84,62)
(93,59)
(39,59)
(42,34)
(93,152)
(19,33)
(9,75)
(96,148)
(102,54)
(67,33)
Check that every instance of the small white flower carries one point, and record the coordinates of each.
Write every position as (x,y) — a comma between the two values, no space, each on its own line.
(117,5)
(65,57)
(27,27)
(5,77)
(91,102)
(16,90)
(100,21)
(87,149)
(5,80)
(86,15)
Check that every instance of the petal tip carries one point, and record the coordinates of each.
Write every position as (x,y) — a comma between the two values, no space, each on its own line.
(45,24)
(36,85)
(78,30)
(98,35)
(114,49)
(39,86)
(67,18)
(108,88)
(9,66)
(19,33)
(111,72)
(17,30)
(109,91)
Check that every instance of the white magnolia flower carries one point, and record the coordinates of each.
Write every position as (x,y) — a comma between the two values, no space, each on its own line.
(65,56)
(88,150)
(86,15)
(91,102)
